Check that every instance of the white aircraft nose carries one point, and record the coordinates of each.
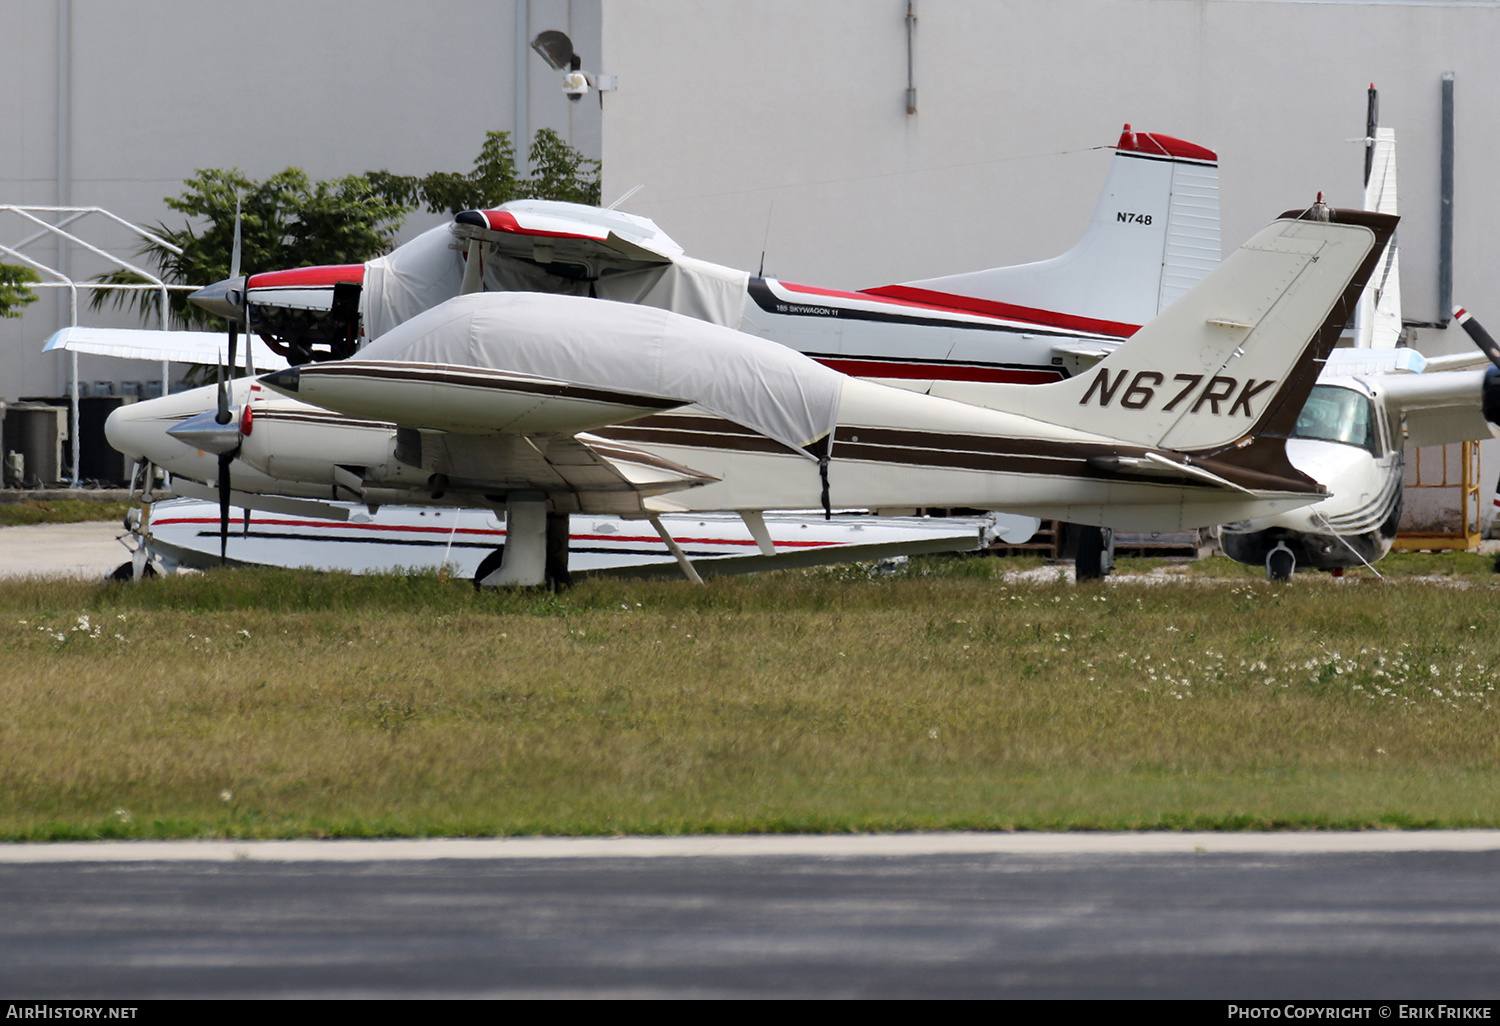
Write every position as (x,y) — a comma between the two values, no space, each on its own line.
(140,430)
(223,298)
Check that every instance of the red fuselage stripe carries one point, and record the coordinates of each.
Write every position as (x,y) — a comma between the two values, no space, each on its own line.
(1008,311)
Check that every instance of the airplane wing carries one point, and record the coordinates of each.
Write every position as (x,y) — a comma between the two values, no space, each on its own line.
(1457,361)
(1443,407)
(207,347)
(528,363)
(497,392)
(570,233)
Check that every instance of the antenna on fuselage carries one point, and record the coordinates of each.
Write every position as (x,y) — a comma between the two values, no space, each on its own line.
(761,273)
(629,193)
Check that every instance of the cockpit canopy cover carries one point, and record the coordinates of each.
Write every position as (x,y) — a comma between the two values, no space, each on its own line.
(560,248)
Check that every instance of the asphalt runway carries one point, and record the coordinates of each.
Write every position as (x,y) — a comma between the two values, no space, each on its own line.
(1055,919)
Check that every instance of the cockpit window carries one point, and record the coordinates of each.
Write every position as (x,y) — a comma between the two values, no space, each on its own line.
(1336,414)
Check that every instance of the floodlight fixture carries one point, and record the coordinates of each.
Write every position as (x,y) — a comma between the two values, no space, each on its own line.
(556,49)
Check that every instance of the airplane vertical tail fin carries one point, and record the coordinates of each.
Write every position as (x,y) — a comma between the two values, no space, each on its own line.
(1154,234)
(1379,318)
(1231,361)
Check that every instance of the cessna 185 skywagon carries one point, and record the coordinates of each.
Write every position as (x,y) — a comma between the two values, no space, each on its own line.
(1153,234)
(550,404)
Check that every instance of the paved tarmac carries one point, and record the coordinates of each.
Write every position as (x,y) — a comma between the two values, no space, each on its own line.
(1211,925)
(84,551)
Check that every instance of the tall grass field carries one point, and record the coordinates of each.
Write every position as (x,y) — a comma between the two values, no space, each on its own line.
(265,703)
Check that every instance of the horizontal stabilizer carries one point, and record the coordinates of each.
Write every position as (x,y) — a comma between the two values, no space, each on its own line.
(1156,465)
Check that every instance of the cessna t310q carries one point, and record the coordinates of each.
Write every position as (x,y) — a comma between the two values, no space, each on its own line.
(550,404)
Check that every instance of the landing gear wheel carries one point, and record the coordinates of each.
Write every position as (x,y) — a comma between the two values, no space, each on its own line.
(488,565)
(1089,563)
(1280,564)
(558,578)
(126,572)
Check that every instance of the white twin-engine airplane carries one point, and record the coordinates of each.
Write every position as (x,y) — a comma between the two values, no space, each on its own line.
(552,404)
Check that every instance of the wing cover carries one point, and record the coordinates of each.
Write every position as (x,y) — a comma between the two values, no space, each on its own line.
(636,350)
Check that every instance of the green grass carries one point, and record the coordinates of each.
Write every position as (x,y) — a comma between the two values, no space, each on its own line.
(287,703)
(60,511)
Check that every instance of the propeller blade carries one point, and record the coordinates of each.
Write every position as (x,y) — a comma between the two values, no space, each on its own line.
(225,459)
(234,326)
(234,341)
(223,415)
(234,253)
(1483,339)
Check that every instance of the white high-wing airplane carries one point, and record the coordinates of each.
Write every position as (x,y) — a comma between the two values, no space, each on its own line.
(1370,401)
(555,403)
(1153,234)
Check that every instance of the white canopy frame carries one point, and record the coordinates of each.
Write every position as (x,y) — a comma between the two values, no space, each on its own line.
(67,218)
